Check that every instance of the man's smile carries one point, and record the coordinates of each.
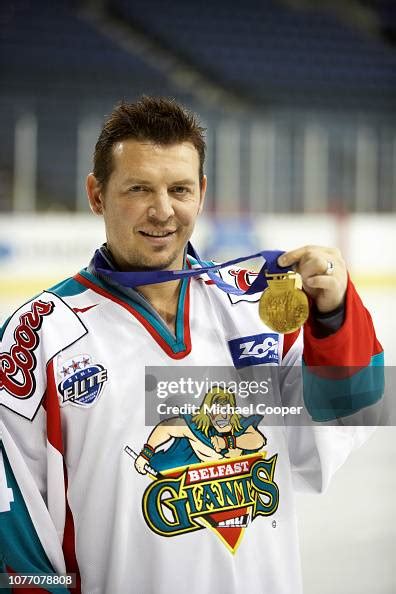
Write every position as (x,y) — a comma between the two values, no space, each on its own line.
(157,233)
(158,237)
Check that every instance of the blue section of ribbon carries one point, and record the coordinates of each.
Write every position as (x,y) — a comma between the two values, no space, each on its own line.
(260,283)
(152,277)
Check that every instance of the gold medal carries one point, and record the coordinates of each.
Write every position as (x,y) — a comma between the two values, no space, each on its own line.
(283,305)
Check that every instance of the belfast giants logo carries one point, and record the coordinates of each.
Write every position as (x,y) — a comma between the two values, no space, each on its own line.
(83,381)
(224,496)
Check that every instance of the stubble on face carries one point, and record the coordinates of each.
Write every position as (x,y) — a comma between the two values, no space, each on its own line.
(140,262)
(126,212)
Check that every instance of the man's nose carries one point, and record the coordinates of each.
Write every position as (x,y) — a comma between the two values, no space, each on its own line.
(161,207)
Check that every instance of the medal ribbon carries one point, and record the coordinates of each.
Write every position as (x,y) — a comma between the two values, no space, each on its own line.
(152,277)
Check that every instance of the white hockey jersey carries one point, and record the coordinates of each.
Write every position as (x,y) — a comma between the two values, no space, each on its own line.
(73,406)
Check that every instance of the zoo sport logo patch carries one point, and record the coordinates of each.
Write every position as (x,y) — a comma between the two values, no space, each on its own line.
(83,381)
(255,350)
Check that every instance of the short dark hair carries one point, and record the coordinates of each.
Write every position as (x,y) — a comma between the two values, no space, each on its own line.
(156,119)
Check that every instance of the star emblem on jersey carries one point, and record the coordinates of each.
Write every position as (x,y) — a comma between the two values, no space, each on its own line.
(82,381)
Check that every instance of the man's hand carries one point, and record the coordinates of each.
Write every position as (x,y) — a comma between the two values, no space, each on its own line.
(312,262)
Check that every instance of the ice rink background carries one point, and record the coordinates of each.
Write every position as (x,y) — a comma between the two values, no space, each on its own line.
(348,534)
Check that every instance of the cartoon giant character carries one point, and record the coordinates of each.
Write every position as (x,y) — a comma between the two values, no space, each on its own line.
(215,432)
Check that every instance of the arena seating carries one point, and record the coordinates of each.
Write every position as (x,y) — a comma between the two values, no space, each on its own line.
(272,52)
(57,65)
(289,65)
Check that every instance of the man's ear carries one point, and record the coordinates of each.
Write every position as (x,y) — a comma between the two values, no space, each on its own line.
(94,193)
(204,184)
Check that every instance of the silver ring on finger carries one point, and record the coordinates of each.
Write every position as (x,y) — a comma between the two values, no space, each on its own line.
(330,267)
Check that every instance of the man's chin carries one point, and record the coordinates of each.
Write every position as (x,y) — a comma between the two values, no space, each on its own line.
(154,263)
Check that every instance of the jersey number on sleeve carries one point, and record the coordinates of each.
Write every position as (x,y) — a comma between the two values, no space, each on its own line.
(6,494)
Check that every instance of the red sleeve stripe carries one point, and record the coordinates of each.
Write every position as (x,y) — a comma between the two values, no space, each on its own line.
(51,403)
(288,341)
(68,544)
(54,434)
(353,344)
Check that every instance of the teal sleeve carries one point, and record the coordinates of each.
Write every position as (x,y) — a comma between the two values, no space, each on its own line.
(329,398)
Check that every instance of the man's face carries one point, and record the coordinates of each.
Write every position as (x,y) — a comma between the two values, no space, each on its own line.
(150,203)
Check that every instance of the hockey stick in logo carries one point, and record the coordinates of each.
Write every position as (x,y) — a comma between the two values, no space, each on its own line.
(134,455)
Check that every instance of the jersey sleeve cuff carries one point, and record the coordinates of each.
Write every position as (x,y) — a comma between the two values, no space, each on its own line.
(353,344)
(343,372)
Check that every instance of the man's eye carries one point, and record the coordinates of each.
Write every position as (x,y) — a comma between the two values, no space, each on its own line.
(180,190)
(137,189)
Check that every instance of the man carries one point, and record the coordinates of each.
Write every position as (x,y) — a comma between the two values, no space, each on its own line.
(72,392)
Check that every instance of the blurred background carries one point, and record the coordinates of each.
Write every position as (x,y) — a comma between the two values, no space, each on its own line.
(298,98)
